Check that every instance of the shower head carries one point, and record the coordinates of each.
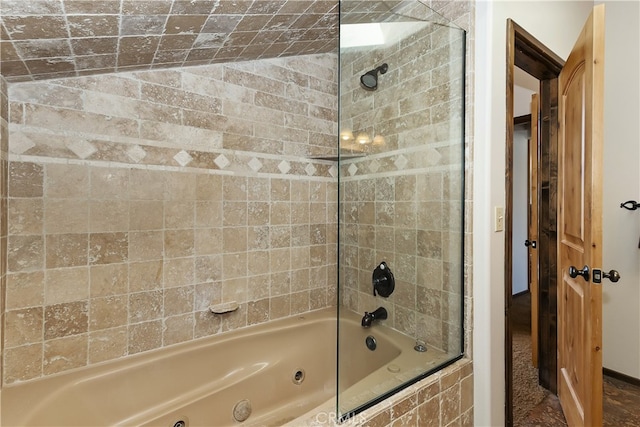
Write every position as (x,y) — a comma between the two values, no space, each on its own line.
(369,80)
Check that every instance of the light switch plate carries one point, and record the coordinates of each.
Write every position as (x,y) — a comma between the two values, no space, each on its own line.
(499,219)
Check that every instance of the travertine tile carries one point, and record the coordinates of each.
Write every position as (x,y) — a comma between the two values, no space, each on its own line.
(146,215)
(25,253)
(280,260)
(209,187)
(178,300)
(234,188)
(146,184)
(146,245)
(466,393)
(206,324)
(66,216)
(258,311)
(179,214)
(25,216)
(178,329)
(66,250)
(65,353)
(108,215)
(300,302)
(180,186)
(25,290)
(108,248)
(162,245)
(178,243)
(23,363)
(429,413)
(280,306)
(208,214)
(108,280)
(107,344)
(234,239)
(24,326)
(144,276)
(109,184)
(66,285)
(234,290)
(450,404)
(280,213)
(179,272)
(145,306)
(66,181)
(208,268)
(61,320)
(234,265)
(108,312)
(145,336)
(25,179)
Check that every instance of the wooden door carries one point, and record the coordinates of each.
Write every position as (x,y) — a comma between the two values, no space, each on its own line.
(532,221)
(580,226)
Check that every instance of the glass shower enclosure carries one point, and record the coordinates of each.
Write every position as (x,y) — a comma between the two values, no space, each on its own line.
(401,198)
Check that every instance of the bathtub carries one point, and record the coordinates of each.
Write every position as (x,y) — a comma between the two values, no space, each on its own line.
(267,375)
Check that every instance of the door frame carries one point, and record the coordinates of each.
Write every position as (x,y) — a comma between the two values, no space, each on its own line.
(527,53)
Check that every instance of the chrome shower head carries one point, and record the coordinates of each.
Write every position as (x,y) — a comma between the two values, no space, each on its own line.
(369,80)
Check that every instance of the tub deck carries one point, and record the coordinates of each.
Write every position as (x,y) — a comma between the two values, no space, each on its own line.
(201,381)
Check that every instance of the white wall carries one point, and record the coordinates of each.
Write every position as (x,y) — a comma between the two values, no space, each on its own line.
(621,301)
(524,85)
(556,24)
(520,253)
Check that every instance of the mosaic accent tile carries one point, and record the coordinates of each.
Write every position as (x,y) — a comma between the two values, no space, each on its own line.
(82,149)
(255,164)
(221,161)
(136,153)
(400,162)
(183,158)
(284,166)
(310,169)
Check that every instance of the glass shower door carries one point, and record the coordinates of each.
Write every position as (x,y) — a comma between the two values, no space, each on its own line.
(401,198)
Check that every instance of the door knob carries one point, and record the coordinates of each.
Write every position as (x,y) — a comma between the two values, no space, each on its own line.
(612,275)
(574,272)
(531,243)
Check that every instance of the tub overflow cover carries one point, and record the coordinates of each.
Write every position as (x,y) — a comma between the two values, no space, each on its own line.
(383,281)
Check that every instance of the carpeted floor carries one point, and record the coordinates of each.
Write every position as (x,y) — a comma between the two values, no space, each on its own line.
(527,393)
(535,407)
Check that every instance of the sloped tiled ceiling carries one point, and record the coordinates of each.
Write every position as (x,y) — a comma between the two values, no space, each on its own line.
(63,38)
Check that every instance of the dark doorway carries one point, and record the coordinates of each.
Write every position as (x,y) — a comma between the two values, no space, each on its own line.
(527,53)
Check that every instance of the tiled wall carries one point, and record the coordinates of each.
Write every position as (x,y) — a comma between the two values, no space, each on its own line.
(138,200)
(4,141)
(403,200)
(442,399)
(105,140)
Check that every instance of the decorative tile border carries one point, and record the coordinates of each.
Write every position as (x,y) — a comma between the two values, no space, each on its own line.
(225,163)
(433,157)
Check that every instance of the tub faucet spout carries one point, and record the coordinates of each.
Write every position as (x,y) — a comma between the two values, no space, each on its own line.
(368,318)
